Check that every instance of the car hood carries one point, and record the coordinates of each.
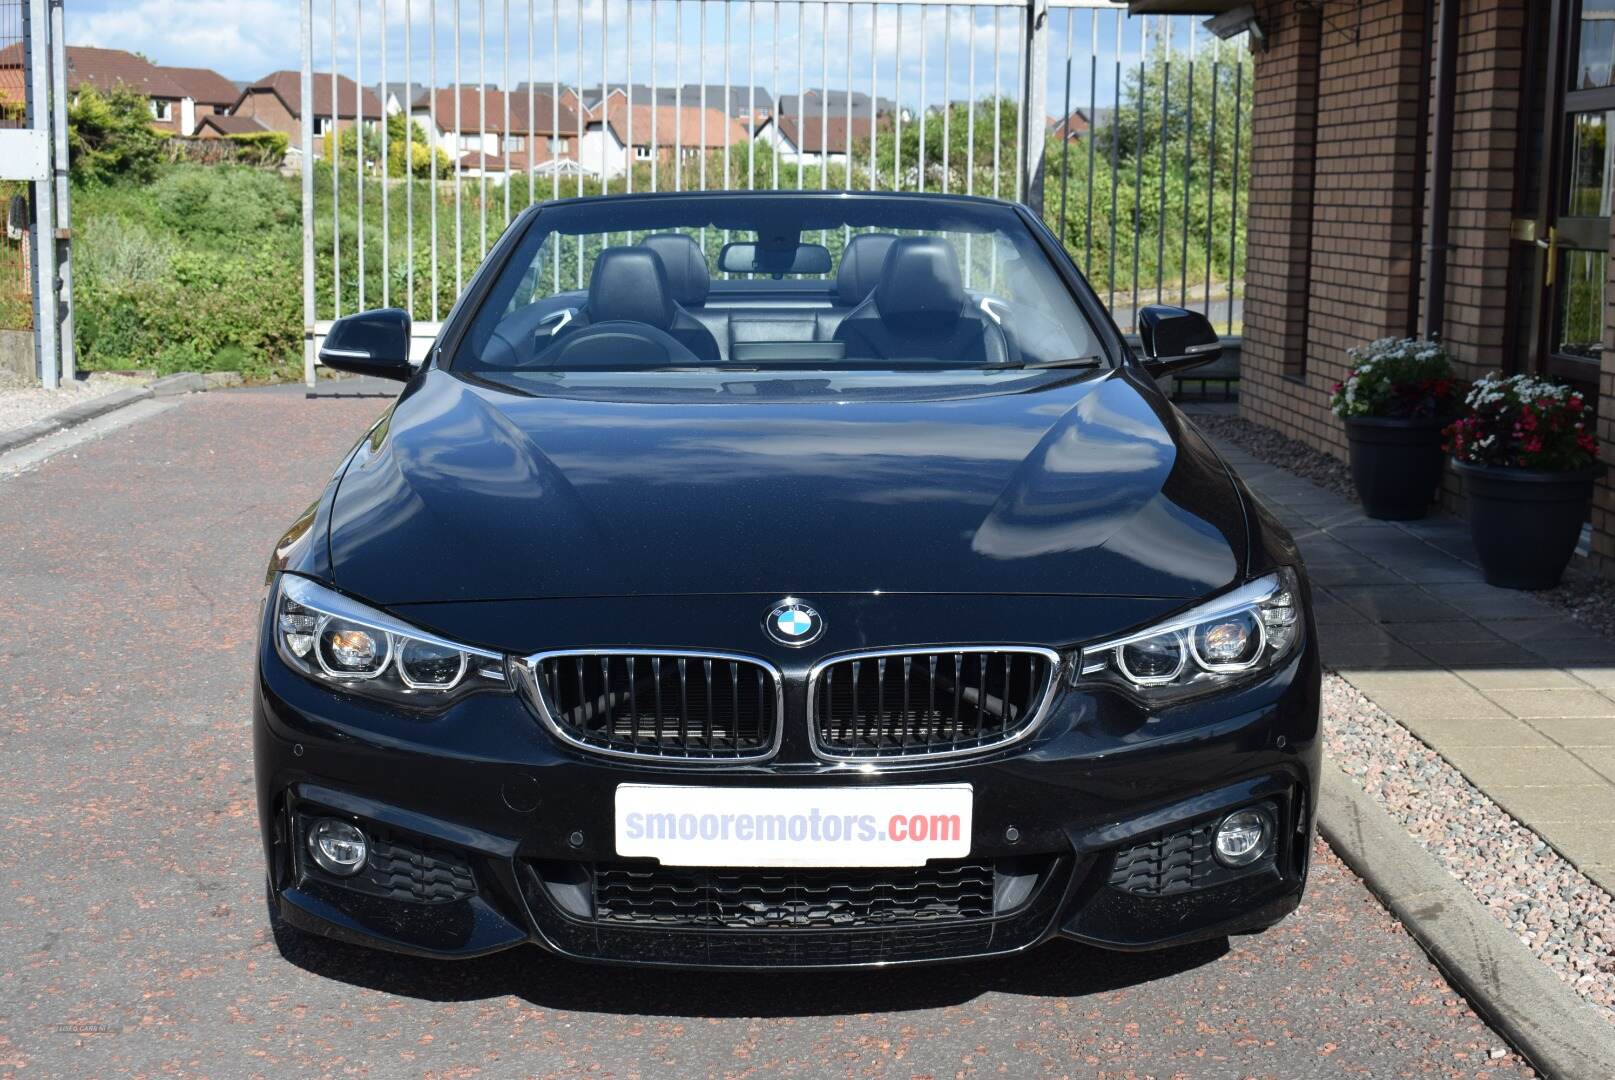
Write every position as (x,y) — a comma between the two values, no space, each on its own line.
(1049,485)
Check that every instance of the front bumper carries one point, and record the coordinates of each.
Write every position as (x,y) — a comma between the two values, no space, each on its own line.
(491,830)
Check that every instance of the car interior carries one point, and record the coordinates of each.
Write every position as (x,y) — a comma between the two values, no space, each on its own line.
(655,303)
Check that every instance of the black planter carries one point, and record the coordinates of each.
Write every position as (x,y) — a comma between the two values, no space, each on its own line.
(1396,464)
(1525,522)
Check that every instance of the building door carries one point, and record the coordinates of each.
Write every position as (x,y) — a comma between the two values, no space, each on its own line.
(1576,191)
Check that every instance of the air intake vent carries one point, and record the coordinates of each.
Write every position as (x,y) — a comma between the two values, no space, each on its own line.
(942,892)
(928,704)
(684,706)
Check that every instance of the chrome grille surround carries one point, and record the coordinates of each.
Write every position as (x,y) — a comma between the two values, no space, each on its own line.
(539,694)
(898,755)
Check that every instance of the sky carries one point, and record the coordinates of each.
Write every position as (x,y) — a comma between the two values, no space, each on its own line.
(246,39)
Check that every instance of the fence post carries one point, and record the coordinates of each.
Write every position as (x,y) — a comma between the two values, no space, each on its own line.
(1034,103)
(36,36)
(306,138)
(64,198)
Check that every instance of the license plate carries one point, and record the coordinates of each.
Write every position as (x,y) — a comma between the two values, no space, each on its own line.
(865,826)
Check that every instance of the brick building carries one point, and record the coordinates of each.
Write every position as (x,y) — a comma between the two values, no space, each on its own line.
(276,102)
(1405,184)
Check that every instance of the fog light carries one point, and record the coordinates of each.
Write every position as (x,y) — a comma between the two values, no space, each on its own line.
(1243,837)
(337,846)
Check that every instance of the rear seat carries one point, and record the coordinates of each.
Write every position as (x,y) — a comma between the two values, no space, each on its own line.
(855,279)
(691,283)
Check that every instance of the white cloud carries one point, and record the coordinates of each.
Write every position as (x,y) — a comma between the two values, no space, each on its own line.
(242,39)
(245,39)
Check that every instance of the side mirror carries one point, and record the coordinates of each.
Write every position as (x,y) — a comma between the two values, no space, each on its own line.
(370,343)
(1176,340)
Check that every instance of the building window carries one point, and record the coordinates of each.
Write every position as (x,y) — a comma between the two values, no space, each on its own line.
(322,124)
(1596,41)
(557,146)
(642,153)
(470,142)
(515,142)
(162,109)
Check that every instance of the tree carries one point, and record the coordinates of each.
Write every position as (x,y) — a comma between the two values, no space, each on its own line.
(110,136)
(1158,176)
(403,137)
(958,160)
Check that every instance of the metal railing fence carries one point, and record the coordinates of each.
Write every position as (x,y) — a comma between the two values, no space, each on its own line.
(480,108)
(34,157)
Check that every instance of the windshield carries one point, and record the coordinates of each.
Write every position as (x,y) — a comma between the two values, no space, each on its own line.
(776,282)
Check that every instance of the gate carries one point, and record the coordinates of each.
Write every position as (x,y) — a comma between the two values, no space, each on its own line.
(33,155)
(434,122)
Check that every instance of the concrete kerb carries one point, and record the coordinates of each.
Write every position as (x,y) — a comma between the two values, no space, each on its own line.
(183,382)
(71,416)
(1561,1035)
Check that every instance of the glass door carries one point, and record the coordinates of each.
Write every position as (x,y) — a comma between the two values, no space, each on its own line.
(1579,193)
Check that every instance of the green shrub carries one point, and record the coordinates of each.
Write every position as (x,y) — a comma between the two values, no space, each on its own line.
(115,254)
(262,147)
(222,203)
(198,271)
(110,136)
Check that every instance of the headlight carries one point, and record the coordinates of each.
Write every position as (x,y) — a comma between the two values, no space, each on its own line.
(1239,634)
(336,640)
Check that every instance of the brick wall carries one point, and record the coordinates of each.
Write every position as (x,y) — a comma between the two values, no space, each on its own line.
(1603,516)
(1491,36)
(1284,105)
(1358,233)
(1333,236)
(271,112)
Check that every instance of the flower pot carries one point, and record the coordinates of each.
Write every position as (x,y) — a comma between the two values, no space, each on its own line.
(1525,522)
(1396,464)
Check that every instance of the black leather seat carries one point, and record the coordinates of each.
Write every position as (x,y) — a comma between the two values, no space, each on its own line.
(631,284)
(687,276)
(919,311)
(631,316)
(690,281)
(855,278)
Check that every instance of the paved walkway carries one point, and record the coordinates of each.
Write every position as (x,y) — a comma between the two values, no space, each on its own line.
(1515,694)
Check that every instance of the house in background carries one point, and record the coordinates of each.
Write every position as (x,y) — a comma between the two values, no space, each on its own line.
(589,96)
(739,105)
(1070,129)
(223,125)
(397,97)
(276,101)
(207,93)
(108,69)
(616,137)
(479,138)
(820,139)
(837,103)
(740,98)
(13,97)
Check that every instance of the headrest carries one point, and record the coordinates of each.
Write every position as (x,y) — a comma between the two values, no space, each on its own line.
(860,266)
(686,266)
(919,287)
(630,283)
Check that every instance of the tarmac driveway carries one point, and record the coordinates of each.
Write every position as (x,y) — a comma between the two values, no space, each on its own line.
(133,933)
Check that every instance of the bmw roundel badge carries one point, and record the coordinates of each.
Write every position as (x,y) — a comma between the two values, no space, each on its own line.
(793,623)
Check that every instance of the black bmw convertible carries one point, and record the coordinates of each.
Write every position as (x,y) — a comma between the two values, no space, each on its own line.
(783,580)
